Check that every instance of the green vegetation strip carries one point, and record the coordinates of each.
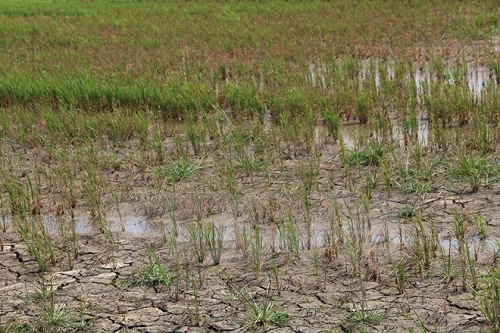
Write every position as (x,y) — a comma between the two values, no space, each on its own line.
(178,56)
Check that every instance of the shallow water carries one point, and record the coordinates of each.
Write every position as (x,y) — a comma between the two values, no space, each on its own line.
(140,226)
(478,76)
(351,133)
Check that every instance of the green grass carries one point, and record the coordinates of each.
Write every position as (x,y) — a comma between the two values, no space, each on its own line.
(179,170)
(153,274)
(366,154)
(476,169)
(489,299)
(54,318)
(49,316)
(107,55)
(408,212)
(215,107)
(259,314)
(148,275)
(359,316)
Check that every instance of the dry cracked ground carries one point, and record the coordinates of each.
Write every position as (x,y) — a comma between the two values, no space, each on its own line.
(98,295)
(140,282)
(94,292)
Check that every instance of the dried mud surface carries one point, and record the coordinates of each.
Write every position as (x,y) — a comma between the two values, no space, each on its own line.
(313,303)
(94,291)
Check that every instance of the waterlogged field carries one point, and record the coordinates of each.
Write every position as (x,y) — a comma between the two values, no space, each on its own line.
(212,166)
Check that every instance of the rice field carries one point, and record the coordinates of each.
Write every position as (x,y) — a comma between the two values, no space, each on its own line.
(270,166)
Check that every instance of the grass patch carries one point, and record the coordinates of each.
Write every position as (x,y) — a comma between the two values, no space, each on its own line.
(489,299)
(258,315)
(151,275)
(179,170)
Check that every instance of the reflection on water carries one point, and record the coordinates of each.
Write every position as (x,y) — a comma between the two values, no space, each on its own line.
(477,76)
(419,76)
(83,225)
(351,133)
(471,75)
(320,235)
(447,243)
(474,243)
(139,226)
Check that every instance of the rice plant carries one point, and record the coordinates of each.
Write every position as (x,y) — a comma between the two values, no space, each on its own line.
(481,225)
(199,240)
(256,250)
(179,170)
(332,121)
(92,193)
(39,243)
(214,237)
(289,235)
(489,299)
(258,314)
(23,197)
(153,274)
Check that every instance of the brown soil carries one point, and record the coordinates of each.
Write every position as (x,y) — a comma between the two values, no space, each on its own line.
(321,300)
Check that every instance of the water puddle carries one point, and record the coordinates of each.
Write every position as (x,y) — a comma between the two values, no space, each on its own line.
(473,77)
(83,225)
(272,239)
(352,133)
(474,243)
(496,42)
(446,243)
(423,74)
(54,225)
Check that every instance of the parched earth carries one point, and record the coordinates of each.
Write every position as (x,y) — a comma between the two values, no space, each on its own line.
(95,292)
(342,288)
(94,289)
